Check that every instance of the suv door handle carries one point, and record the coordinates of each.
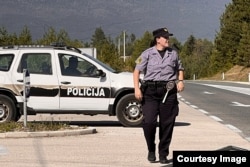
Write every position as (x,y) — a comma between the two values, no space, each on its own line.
(20,80)
(66,82)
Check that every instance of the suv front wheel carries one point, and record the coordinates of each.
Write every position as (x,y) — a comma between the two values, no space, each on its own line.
(128,111)
(7,109)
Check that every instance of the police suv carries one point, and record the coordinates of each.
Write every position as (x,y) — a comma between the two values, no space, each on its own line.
(64,81)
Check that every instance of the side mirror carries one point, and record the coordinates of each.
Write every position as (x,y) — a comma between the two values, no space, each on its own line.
(100,73)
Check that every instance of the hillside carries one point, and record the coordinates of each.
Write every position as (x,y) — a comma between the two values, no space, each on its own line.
(237,73)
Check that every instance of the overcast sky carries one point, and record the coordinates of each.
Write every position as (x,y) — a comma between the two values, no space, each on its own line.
(81,17)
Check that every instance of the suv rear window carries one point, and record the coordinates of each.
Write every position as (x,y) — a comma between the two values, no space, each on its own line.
(5,61)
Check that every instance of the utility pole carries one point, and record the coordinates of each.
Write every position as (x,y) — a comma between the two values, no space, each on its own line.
(124,49)
(119,46)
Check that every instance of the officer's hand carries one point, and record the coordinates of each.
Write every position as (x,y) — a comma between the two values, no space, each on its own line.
(180,86)
(138,94)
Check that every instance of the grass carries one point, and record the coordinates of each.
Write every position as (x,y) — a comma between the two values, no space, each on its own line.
(237,73)
(34,126)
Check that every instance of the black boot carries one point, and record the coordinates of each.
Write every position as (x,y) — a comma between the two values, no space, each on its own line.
(163,159)
(151,156)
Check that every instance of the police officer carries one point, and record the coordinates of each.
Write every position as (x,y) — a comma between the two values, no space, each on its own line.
(160,65)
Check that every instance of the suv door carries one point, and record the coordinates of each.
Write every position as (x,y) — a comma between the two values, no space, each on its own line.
(80,87)
(44,87)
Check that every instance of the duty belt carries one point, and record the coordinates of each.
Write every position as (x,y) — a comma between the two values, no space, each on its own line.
(156,83)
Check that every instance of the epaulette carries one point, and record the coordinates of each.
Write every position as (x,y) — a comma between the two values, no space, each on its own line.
(169,49)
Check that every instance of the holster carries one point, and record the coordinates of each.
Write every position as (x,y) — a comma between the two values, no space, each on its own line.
(143,86)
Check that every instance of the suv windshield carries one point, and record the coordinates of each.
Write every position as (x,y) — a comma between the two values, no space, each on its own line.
(101,63)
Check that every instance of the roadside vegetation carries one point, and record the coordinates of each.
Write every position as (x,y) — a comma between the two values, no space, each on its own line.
(236,73)
(35,126)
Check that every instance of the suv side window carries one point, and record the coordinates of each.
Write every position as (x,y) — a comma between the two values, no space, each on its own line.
(75,66)
(6,61)
(36,63)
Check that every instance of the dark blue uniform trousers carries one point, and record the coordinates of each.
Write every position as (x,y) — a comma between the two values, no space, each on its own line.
(152,107)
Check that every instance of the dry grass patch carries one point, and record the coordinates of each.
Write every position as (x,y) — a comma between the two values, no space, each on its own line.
(237,73)
(35,126)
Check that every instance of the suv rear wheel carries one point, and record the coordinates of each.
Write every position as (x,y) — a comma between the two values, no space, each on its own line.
(128,111)
(7,109)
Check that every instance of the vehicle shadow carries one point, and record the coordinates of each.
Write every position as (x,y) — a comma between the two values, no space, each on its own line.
(182,124)
(107,123)
(99,123)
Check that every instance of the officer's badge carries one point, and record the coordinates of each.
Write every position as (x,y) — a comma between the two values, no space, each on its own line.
(138,60)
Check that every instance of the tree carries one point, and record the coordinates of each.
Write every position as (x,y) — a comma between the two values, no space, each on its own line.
(98,38)
(109,55)
(6,38)
(49,37)
(106,49)
(188,46)
(130,44)
(63,37)
(195,55)
(139,46)
(229,39)
(25,37)
(186,57)
(175,44)
(243,51)
(201,57)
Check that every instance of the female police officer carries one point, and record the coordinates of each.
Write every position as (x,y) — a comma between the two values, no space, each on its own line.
(160,65)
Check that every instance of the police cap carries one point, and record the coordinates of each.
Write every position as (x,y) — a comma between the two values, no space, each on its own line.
(161,32)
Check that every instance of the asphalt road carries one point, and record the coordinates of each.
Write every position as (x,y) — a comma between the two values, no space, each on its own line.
(226,102)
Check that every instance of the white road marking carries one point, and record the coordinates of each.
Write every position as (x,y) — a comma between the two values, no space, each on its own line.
(209,93)
(216,118)
(203,111)
(248,139)
(239,104)
(233,128)
(182,99)
(193,106)
(245,91)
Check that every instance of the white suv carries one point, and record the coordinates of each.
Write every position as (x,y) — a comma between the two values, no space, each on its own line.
(64,81)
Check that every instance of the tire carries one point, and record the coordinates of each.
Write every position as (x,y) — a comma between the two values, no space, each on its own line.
(18,116)
(7,109)
(128,111)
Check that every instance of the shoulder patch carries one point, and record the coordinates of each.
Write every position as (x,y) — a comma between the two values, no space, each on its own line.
(138,60)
